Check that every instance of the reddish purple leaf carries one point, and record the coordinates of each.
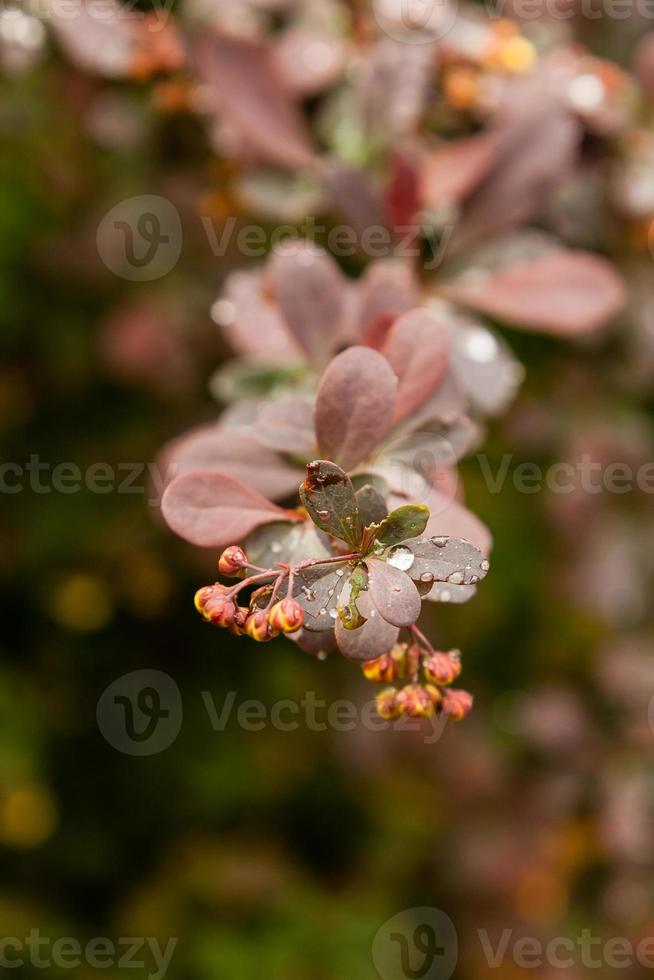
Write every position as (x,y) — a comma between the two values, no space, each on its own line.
(354,197)
(247,91)
(393,593)
(213,510)
(316,644)
(375,637)
(312,294)
(536,146)
(252,324)
(447,404)
(403,198)
(387,288)
(287,426)
(454,169)
(236,452)
(417,348)
(354,406)
(561,292)
(105,38)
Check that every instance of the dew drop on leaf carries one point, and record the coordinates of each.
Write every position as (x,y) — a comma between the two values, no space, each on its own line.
(439,542)
(401,558)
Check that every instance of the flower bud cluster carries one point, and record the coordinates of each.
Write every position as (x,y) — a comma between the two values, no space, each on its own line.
(217,604)
(416,699)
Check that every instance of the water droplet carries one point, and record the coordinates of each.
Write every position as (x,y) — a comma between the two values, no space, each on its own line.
(333,613)
(275,547)
(340,572)
(439,542)
(456,578)
(445,595)
(396,588)
(321,612)
(474,579)
(427,577)
(401,558)
(308,593)
(485,565)
(321,655)
(323,514)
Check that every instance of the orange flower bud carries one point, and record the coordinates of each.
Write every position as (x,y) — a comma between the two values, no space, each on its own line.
(286,616)
(414,701)
(258,628)
(442,668)
(212,603)
(435,694)
(457,704)
(386,703)
(381,670)
(232,561)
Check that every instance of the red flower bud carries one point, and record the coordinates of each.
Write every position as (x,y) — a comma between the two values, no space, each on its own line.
(414,701)
(238,626)
(442,668)
(212,603)
(232,561)
(386,703)
(457,704)
(286,616)
(258,628)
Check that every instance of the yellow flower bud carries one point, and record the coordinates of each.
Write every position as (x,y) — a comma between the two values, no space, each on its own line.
(286,616)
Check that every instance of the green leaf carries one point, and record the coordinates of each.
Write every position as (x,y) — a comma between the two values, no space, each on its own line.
(348,612)
(328,496)
(406,522)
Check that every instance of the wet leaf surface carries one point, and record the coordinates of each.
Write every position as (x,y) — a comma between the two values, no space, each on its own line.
(393,593)
(328,496)
(375,637)
(318,589)
(408,521)
(440,559)
(290,543)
